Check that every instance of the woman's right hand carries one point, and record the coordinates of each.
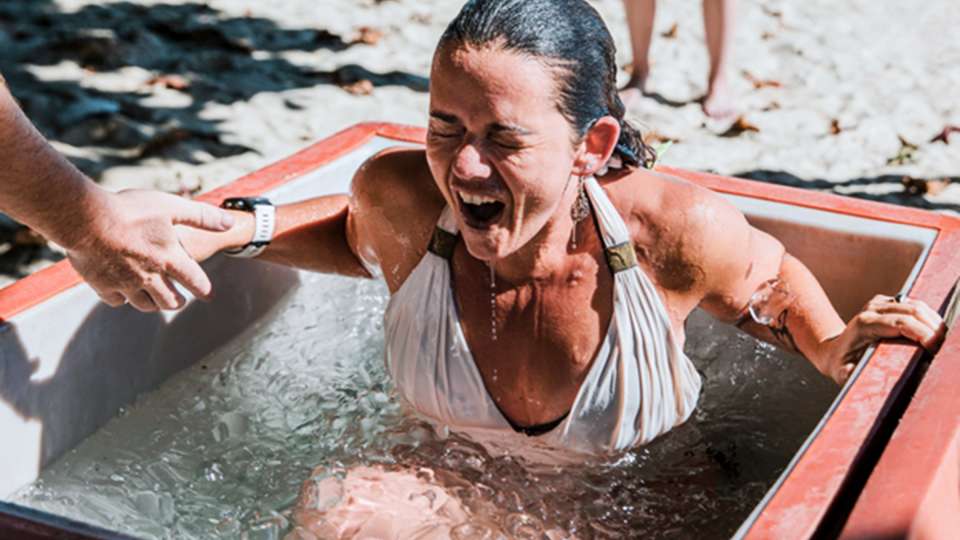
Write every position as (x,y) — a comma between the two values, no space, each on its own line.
(883,317)
(201,245)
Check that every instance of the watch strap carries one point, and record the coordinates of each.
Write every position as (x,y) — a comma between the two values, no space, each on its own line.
(265,223)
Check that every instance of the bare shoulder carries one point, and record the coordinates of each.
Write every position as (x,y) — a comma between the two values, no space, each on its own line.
(685,232)
(394,206)
(399,176)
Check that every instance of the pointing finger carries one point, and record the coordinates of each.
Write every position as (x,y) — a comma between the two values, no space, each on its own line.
(201,215)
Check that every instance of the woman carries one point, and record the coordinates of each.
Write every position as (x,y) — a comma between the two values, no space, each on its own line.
(537,286)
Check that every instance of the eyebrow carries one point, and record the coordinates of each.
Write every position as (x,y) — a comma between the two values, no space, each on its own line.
(496,127)
(444,117)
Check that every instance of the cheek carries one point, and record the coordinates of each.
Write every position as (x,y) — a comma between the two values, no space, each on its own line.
(540,179)
(438,160)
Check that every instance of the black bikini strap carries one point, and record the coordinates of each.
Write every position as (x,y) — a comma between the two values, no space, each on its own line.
(442,243)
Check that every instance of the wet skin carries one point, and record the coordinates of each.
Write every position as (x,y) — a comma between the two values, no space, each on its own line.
(496,135)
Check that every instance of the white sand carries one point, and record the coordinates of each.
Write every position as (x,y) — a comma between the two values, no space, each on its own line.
(880,68)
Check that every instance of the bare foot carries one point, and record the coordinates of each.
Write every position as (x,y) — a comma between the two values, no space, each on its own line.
(635,89)
(719,102)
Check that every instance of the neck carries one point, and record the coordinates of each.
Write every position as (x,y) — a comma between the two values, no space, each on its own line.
(548,253)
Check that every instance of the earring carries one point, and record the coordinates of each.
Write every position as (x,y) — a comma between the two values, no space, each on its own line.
(579,211)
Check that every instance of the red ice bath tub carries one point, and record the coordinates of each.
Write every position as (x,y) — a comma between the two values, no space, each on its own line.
(68,363)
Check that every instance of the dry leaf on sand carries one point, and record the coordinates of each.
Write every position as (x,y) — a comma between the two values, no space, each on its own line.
(368,35)
(835,128)
(671,33)
(174,82)
(906,153)
(923,186)
(739,126)
(944,136)
(759,83)
(360,88)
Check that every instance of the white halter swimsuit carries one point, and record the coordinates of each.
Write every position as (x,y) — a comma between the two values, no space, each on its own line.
(639,386)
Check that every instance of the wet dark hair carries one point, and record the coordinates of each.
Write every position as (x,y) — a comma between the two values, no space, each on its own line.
(569,35)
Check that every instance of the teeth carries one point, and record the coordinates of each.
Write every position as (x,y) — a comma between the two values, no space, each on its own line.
(476,199)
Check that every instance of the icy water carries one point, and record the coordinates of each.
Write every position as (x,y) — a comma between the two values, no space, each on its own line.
(222,449)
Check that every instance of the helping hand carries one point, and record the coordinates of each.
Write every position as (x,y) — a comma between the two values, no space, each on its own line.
(131,252)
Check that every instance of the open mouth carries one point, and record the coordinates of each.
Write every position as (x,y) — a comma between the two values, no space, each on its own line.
(479,211)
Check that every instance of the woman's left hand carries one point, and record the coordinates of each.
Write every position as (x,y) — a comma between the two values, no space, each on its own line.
(882,317)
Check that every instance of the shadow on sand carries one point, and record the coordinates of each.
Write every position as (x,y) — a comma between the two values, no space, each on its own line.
(901,197)
(192,48)
(200,52)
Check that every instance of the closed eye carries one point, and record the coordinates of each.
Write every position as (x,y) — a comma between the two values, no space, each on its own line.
(443,130)
(445,134)
(507,145)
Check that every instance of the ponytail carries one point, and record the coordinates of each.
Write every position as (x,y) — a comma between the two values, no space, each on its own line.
(630,146)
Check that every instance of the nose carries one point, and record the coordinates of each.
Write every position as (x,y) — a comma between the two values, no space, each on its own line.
(470,162)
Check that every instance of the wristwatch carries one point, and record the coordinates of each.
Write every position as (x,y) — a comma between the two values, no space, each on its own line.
(265,219)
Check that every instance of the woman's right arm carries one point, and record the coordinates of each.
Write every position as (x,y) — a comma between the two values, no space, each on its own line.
(387,219)
(310,234)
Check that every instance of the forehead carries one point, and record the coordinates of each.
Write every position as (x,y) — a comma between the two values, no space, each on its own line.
(489,81)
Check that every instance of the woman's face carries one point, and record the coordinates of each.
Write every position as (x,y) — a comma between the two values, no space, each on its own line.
(498,147)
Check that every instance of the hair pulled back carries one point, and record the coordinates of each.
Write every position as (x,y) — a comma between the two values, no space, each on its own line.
(569,35)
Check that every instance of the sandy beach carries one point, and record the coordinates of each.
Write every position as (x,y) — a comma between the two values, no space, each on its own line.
(856,98)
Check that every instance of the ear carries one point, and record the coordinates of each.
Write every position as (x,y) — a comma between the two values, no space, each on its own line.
(597,146)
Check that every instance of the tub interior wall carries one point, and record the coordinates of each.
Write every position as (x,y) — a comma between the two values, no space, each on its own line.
(60,383)
(852,267)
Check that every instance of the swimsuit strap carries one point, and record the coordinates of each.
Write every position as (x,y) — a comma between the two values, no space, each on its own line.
(617,244)
(445,235)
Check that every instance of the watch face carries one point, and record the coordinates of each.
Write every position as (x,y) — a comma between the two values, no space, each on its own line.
(246,204)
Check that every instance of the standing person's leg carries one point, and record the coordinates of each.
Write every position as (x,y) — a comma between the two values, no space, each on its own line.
(640,14)
(718,20)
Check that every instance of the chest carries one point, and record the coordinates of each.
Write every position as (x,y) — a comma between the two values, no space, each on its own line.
(534,343)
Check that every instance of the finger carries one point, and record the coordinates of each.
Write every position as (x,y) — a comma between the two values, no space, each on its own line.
(178,299)
(878,301)
(163,293)
(891,325)
(188,272)
(928,314)
(113,299)
(142,301)
(200,215)
(912,308)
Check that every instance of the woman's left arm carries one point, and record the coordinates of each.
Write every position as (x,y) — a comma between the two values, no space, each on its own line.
(751,281)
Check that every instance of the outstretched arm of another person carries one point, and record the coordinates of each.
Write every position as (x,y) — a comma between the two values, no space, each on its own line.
(123,244)
(754,283)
